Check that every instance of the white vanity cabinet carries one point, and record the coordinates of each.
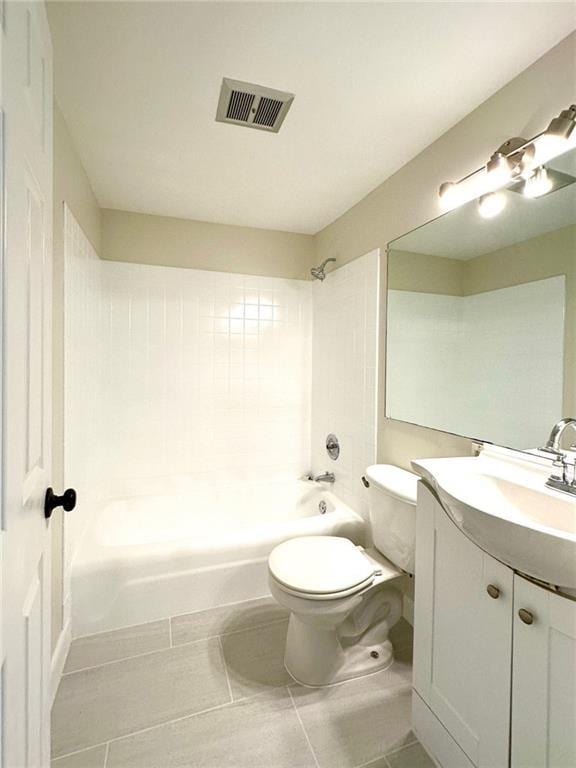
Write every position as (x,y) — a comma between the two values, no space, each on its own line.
(463,637)
(543,678)
(490,690)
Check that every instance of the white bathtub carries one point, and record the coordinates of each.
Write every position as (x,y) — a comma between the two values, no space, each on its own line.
(149,558)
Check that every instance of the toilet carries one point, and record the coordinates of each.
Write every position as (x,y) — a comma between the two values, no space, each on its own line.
(344,599)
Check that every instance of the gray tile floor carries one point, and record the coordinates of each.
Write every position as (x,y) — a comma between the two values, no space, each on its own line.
(209,690)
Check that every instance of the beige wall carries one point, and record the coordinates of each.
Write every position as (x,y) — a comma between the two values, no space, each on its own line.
(71,186)
(409,198)
(171,242)
(424,273)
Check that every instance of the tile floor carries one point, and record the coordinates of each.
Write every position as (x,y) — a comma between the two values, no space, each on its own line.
(209,690)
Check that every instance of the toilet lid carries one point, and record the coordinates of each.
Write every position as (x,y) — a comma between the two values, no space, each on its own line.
(320,565)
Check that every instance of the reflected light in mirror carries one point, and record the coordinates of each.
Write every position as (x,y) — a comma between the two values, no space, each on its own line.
(538,184)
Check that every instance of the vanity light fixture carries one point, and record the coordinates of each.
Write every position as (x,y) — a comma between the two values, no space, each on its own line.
(500,169)
(491,205)
(562,127)
(517,158)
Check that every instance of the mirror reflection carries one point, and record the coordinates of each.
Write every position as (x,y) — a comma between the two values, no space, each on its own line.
(481,330)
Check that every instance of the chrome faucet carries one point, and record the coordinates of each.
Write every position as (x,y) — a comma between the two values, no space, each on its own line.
(553,442)
(566,482)
(325,477)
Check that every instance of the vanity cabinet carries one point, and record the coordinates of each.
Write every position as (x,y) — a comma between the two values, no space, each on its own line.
(491,691)
(543,678)
(463,636)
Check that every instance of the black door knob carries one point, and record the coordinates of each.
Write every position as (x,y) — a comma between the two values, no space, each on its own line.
(51,501)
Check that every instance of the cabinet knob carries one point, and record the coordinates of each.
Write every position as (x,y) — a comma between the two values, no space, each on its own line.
(526,616)
(493,591)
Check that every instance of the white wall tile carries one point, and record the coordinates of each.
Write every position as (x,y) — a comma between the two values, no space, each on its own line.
(344,382)
(201,372)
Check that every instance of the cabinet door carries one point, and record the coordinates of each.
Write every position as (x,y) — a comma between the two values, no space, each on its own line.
(463,636)
(543,679)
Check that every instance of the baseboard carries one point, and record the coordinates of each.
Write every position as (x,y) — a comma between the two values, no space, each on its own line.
(59,659)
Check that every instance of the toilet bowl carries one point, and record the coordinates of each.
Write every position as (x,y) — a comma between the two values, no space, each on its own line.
(343,599)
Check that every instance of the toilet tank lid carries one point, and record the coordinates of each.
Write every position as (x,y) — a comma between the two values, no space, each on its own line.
(395,481)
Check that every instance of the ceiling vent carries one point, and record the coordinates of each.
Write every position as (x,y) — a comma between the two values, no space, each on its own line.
(252,105)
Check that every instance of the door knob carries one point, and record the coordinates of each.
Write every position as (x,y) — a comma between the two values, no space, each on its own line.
(526,616)
(51,501)
(493,591)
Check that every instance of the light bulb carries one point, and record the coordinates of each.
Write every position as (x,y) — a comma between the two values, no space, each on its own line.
(450,195)
(538,184)
(499,170)
(491,205)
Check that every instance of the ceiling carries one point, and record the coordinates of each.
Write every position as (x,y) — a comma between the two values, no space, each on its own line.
(464,234)
(375,83)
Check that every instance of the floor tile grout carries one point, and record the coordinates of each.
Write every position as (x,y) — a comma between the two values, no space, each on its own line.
(173,645)
(189,716)
(176,616)
(225,665)
(106,755)
(144,730)
(121,629)
(303,728)
(238,631)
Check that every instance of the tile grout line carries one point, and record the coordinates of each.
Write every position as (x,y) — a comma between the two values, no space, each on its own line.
(176,645)
(267,598)
(161,725)
(106,755)
(371,762)
(120,629)
(304,731)
(221,646)
(170,632)
(143,730)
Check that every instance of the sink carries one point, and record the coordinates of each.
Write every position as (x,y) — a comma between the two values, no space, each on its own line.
(500,501)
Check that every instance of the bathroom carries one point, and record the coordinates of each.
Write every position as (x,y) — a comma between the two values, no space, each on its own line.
(289,420)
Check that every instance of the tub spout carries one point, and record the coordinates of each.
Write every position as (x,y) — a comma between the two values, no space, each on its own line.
(326,477)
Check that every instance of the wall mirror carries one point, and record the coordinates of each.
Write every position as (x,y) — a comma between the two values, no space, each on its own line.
(481,317)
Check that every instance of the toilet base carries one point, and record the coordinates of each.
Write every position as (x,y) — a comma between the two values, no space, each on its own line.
(329,652)
(358,661)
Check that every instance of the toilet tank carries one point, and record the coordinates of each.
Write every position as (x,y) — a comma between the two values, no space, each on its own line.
(392,500)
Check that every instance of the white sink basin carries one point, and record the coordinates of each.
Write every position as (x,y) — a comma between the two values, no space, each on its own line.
(500,502)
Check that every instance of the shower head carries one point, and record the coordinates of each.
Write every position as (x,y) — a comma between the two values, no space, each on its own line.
(318,273)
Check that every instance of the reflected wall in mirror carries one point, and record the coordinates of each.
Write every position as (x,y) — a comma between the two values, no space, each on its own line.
(481,325)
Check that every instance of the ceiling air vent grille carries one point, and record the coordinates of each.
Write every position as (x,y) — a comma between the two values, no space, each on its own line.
(240,105)
(253,106)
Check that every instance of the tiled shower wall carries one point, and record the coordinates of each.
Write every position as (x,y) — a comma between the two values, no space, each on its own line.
(206,374)
(344,374)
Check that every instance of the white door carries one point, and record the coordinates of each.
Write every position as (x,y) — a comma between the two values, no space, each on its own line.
(544,678)
(463,635)
(26,429)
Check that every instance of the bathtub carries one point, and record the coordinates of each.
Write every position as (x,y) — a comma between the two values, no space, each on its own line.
(147,558)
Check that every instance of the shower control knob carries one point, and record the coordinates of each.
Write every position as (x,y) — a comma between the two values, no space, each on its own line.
(51,501)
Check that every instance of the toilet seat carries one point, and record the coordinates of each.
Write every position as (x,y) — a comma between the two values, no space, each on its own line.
(321,567)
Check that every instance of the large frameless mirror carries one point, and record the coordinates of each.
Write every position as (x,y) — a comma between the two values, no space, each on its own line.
(481,325)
